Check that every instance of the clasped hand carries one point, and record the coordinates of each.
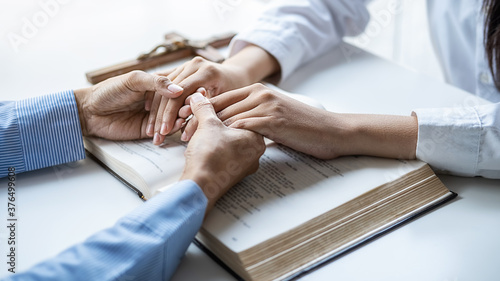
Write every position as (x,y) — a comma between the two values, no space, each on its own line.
(217,157)
(255,108)
(116,109)
(215,78)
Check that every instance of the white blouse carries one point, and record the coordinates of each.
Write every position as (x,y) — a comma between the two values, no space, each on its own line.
(461,141)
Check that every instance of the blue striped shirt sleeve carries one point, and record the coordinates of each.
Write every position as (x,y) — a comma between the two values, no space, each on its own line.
(147,244)
(40,132)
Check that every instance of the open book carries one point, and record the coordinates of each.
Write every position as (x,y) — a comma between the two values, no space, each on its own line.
(296,211)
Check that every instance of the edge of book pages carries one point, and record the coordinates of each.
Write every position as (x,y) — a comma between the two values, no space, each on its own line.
(335,254)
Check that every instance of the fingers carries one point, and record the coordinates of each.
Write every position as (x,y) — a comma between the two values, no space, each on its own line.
(252,120)
(167,114)
(203,110)
(190,129)
(259,125)
(160,125)
(152,115)
(160,114)
(159,138)
(175,108)
(251,101)
(140,81)
(228,98)
(178,124)
(173,74)
(164,112)
(233,105)
(166,73)
(191,75)
(148,100)
(172,109)
(241,109)
(185,111)
(195,73)
(155,88)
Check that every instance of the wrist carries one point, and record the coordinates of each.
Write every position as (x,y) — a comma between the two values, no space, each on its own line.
(80,98)
(204,181)
(340,132)
(236,76)
(255,64)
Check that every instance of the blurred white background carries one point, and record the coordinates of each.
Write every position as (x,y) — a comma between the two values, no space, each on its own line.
(402,37)
(70,37)
(76,35)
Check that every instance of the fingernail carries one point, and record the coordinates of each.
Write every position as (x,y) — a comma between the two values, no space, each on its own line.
(183,136)
(197,97)
(163,129)
(149,129)
(156,139)
(174,88)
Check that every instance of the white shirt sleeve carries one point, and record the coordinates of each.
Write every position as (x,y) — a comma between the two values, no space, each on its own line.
(295,32)
(461,141)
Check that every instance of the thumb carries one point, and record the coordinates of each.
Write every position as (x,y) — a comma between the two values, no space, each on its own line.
(203,109)
(143,82)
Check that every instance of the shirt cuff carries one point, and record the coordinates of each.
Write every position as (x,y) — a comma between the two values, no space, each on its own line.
(11,149)
(449,139)
(176,201)
(175,215)
(286,49)
(49,130)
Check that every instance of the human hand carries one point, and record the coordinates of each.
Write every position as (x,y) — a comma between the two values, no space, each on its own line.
(116,109)
(216,78)
(218,157)
(249,65)
(277,117)
(312,130)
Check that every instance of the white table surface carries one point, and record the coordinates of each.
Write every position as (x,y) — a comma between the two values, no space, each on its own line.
(63,205)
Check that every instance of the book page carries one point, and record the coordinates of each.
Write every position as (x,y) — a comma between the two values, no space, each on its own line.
(291,188)
(159,166)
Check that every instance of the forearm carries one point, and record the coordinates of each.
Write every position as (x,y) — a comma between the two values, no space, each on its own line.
(254,63)
(387,136)
(328,135)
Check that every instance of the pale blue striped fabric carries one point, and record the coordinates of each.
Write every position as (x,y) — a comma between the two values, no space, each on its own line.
(11,148)
(40,132)
(147,244)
